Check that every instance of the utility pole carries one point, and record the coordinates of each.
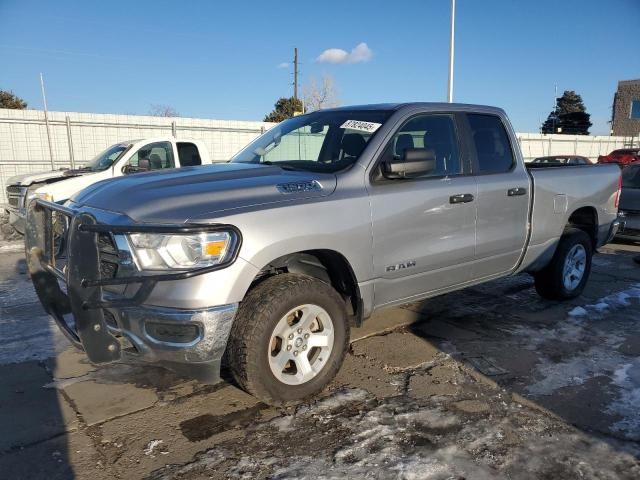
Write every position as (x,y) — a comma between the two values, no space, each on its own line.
(46,121)
(295,73)
(451,50)
(555,110)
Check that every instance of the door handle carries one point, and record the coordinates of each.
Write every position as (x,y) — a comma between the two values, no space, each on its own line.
(461,198)
(516,192)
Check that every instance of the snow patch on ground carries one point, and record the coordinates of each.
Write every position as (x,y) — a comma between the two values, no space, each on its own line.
(614,300)
(151,446)
(447,463)
(207,460)
(596,361)
(398,438)
(340,399)
(574,329)
(578,312)
(627,378)
(12,247)
(25,335)
(33,338)
(591,351)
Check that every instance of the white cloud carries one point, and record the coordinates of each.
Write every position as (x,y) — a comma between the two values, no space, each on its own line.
(283,65)
(360,53)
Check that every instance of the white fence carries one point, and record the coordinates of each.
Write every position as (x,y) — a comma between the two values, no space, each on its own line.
(535,145)
(78,137)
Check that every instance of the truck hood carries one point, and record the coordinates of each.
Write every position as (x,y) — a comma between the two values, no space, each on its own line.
(176,196)
(71,183)
(29,178)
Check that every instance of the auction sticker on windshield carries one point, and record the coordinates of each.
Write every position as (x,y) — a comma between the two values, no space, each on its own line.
(361,126)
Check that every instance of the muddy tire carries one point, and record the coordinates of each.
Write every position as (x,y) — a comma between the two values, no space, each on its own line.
(289,339)
(566,275)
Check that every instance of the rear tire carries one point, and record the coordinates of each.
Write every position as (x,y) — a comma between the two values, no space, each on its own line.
(283,315)
(566,275)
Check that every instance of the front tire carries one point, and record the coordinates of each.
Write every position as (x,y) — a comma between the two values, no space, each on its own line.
(289,339)
(566,275)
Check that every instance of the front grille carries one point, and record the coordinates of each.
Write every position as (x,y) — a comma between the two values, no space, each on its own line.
(15,195)
(109,259)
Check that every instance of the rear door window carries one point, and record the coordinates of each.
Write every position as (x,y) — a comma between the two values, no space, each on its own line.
(188,154)
(491,143)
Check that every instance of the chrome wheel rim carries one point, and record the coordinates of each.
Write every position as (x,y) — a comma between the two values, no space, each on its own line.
(300,344)
(575,265)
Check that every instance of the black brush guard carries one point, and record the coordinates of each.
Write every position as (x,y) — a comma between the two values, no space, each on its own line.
(84,298)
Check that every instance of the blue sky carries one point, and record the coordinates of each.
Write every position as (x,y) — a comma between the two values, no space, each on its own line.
(221,60)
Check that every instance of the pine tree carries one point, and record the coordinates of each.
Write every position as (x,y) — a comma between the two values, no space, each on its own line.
(284,108)
(570,116)
(9,100)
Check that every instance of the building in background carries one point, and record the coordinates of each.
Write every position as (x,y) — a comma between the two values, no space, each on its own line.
(626,109)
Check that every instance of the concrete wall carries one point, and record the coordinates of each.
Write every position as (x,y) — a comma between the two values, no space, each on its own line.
(24,147)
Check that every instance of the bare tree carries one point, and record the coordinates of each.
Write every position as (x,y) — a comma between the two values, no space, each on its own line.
(157,110)
(319,95)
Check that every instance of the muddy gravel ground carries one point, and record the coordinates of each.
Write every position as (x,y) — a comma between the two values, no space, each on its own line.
(492,382)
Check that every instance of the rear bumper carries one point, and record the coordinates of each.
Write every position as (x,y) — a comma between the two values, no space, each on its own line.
(607,234)
(110,327)
(630,227)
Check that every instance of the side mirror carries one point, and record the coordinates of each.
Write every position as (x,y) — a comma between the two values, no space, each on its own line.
(316,127)
(414,163)
(144,165)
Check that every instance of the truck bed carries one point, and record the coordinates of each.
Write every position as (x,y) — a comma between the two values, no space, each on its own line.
(557,194)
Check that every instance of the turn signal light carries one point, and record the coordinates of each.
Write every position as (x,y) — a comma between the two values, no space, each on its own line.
(214,249)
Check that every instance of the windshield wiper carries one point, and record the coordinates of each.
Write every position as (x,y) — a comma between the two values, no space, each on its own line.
(282,165)
(73,171)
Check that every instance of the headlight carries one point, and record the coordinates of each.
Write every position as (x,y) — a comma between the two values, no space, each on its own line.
(44,196)
(158,251)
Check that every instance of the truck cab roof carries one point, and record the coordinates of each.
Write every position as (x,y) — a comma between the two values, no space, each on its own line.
(436,106)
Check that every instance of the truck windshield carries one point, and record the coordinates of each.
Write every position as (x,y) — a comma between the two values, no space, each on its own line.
(323,141)
(107,158)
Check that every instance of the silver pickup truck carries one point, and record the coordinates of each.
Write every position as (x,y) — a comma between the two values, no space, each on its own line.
(265,262)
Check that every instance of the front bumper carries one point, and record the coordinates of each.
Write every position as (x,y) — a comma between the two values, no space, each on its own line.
(17,217)
(111,326)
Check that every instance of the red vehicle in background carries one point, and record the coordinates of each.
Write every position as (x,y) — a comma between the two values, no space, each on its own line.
(623,157)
